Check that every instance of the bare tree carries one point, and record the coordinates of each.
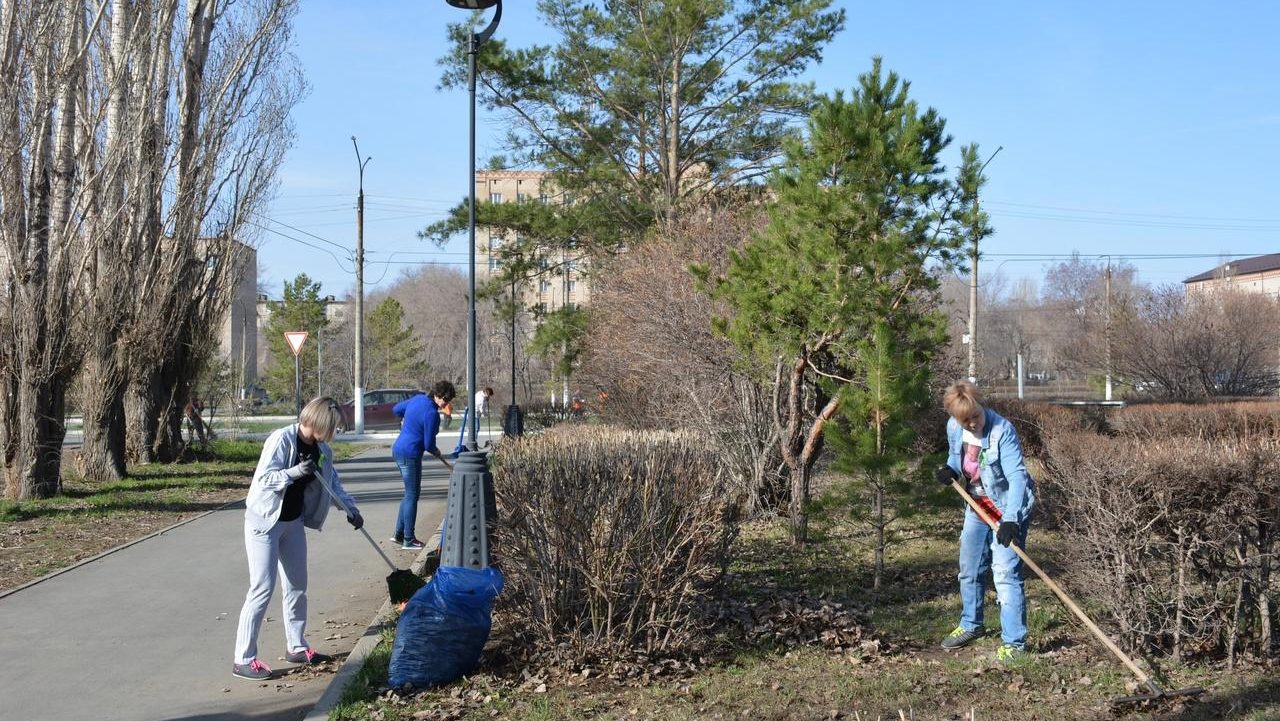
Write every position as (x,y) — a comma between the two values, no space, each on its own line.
(652,349)
(42,56)
(1220,343)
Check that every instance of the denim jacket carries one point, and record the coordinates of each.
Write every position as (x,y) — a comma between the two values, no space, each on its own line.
(1002,467)
(266,492)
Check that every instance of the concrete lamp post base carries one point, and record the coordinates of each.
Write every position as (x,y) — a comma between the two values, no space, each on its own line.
(471,511)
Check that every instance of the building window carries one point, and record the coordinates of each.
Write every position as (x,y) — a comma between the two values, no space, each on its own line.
(544,199)
(573,286)
(544,286)
(494,263)
(495,197)
(543,306)
(521,197)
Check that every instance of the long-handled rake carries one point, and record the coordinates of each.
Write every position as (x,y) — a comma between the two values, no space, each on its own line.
(1158,693)
(401,583)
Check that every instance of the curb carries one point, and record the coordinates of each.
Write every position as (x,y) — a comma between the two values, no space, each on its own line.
(121,547)
(364,648)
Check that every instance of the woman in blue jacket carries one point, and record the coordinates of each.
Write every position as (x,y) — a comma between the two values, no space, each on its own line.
(418,430)
(986,455)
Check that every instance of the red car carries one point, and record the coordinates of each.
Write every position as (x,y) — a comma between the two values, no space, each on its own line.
(377,409)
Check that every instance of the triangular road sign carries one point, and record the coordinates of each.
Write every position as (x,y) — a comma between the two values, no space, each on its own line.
(296,339)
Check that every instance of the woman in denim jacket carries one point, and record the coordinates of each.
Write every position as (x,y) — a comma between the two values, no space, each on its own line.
(986,456)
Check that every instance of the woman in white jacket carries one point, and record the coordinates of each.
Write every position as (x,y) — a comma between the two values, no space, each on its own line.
(292,488)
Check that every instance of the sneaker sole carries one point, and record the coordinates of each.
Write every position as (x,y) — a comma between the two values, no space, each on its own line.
(252,678)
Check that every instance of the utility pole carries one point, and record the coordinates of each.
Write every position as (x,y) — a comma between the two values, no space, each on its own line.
(973,276)
(1107,332)
(564,309)
(973,307)
(358,402)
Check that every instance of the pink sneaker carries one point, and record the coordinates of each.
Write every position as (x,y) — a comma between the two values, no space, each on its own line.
(255,670)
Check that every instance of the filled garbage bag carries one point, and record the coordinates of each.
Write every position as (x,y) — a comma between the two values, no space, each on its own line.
(444,627)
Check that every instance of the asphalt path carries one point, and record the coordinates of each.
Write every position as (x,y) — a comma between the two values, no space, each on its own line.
(146,633)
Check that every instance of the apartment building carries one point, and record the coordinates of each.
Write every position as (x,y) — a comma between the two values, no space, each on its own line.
(1259,274)
(564,278)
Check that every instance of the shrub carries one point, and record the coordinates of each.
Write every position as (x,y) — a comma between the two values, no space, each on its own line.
(1172,524)
(1209,421)
(611,539)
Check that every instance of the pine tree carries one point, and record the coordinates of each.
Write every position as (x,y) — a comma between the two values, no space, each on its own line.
(874,439)
(393,350)
(302,309)
(862,208)
(634,130)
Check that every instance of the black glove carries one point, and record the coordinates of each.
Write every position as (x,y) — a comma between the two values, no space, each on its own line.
(945,475)
(355,519)
(304,468)
(1007,532)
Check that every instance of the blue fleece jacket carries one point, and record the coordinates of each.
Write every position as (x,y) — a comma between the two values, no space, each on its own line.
(419,427)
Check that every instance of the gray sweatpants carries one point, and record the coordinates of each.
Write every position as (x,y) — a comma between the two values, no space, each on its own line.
(283,550)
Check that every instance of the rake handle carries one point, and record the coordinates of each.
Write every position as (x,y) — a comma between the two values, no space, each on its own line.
(1061,594)
(343,506)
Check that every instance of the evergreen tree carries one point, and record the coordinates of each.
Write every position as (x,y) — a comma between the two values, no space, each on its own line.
(631,129)
(862,208)
(302,309)
(560,339)
(873,442)
(393,350)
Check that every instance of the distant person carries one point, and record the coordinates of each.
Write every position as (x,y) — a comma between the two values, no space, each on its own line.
(482,402)
(986,456)
(288,494)
(421,423)
(196,427)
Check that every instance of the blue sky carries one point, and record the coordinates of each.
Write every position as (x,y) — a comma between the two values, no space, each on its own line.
(1132,129)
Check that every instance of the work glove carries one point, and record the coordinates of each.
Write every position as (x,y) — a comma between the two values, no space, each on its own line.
(304,468)
(945,475)
(1007,532)
(355,519)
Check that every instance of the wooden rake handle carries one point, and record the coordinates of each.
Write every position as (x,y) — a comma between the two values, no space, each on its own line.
(1057,591)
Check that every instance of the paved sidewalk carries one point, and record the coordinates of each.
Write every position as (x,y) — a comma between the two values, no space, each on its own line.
(146,633)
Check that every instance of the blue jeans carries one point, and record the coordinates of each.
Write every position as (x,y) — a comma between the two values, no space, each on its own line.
(979,552)
(411,474)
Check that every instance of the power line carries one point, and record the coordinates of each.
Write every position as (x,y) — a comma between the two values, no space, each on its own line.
(1163,216)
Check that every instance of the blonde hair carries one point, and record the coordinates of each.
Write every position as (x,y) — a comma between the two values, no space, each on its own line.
(322,417)
(961,400)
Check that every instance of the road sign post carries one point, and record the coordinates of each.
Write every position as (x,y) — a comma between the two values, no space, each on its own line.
(295,339)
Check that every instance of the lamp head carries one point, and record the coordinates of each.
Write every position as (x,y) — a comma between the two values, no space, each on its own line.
(473,4)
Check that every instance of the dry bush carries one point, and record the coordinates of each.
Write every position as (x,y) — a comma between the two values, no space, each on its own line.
(612,539)
(1174,533)
(1236,421)
(653,350)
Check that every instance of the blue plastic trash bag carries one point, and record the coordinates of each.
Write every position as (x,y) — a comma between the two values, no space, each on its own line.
(444,627)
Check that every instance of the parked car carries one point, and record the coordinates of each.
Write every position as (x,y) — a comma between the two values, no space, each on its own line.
(377,409)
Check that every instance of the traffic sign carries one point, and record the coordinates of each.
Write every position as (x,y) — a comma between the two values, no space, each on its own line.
(296,339)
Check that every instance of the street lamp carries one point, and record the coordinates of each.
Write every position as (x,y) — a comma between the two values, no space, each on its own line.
(471,501)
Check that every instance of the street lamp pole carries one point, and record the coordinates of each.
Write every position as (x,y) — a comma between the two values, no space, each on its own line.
(471,499)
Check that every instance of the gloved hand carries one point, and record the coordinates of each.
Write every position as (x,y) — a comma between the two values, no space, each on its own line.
(304,468)
(945,475)
(355,519)
(1007,532)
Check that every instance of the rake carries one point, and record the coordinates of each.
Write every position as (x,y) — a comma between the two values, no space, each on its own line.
(1158,692)
(401,583)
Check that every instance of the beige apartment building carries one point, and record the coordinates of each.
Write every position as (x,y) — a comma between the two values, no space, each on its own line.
(1259,274)
(564,280)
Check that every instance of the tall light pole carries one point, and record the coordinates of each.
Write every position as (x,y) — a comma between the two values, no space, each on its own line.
(357,403)
(471,500)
